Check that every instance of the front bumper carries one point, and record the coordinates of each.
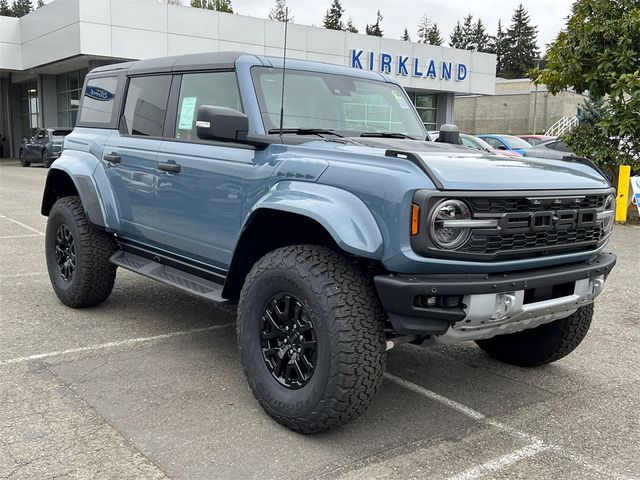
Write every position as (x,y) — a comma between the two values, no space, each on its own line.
(490,304)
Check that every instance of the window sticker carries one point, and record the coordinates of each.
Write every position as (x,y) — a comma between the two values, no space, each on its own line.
(401,101)
(186,113)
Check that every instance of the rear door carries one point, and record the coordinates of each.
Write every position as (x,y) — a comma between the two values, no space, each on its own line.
(198,209)
(130,155)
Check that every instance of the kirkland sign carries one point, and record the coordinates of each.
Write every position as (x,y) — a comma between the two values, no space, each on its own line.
(407,66)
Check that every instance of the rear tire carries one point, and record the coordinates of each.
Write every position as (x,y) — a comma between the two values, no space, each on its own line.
(541,345)
(340,316)
(78,256)
(23,161)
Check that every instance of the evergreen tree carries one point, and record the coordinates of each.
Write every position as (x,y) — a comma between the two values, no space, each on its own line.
(5,9)
(499,48)
(521,49)
(219,5)
(428,32)
(280,12)
(333,17)
(434,37)
(21,7)
(468,29)
(480,40)
(456,38)
(375,29)
(405,36)
(40,4)
(351,27)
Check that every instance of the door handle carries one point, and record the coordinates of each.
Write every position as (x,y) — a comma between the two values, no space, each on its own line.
(169,167)
(112,157)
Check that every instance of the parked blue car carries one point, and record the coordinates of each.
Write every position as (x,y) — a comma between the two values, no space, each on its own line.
(506,142)
(336,228)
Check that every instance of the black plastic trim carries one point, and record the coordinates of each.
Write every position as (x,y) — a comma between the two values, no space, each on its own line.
(89,198)
(397,292)
(416,160)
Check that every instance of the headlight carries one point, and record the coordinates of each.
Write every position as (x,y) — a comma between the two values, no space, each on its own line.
(608,214)
(449,225)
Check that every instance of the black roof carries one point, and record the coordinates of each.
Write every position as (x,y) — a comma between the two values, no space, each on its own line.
(192,61)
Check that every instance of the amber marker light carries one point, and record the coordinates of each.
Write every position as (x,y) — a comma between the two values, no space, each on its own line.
(415,219)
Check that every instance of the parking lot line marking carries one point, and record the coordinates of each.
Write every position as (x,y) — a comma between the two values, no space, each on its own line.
(535,441)
(501,462)
(108,345)
(21,236)
(18,275)
(23,225)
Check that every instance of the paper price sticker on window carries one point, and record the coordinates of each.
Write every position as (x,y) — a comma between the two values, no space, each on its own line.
(187,112)
(635,185)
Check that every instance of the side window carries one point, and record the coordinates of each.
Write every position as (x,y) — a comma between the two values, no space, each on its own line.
(41,134)
(495,143)
(146,105)
(98,100)
(562,147)
(219,89)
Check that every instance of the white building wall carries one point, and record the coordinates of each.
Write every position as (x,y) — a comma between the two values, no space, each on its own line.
(147,28)
(10,52)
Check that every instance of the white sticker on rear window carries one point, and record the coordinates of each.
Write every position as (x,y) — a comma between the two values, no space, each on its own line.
(186,113)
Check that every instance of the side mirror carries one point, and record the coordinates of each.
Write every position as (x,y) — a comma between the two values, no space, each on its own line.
(221,123)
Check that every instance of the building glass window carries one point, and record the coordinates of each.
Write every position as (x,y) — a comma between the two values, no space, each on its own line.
(68,90)
(29,119)
(427,107)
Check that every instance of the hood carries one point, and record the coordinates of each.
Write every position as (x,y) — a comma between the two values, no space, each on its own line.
(461,168)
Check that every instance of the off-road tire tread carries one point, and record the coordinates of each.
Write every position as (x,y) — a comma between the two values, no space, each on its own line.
(541,345)
(356,333)
(94,283)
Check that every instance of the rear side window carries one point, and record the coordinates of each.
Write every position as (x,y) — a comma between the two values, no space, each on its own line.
(146,104)
(218,89)
(98,101)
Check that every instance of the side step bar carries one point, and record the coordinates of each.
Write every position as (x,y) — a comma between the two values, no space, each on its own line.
(168,275)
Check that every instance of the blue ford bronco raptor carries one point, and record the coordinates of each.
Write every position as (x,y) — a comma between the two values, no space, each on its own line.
(338,230)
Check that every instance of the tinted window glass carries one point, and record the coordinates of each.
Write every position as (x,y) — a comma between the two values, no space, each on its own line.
(494,142)
(98,100)
(563,147)
(219,89)
(146,105)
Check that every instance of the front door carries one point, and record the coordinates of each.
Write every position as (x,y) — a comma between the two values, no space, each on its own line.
(199,201)
(130,156)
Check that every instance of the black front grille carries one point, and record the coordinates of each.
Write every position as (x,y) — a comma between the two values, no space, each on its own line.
(481,243)
(509,205)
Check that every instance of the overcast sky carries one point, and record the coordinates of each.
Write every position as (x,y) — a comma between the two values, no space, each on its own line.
(548,15)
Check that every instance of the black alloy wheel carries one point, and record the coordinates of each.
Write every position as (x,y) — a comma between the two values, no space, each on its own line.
(288,341)
(65,252)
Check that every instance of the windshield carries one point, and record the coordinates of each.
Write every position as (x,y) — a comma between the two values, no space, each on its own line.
(516,142)
(475,142)
(348,105)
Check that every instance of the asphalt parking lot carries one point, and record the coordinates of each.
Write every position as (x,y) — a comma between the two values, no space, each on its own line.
(149,385)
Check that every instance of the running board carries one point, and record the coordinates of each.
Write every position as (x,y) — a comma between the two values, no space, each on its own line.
(168,275)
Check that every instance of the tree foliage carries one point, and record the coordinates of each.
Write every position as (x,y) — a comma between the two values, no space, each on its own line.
(598,51)
(333,18)
(219,5)
(499,47)
(471,35)
(405,35)
(428,32)
(351,27)
(280,12)
(5,9)
(521,49)
(20,8)
(375,29)
(40,4)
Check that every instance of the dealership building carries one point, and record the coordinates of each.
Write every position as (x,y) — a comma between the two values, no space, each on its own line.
(44,56)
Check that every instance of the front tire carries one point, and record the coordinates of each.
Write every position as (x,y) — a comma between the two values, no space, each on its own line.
(46,161)
(541,345)
(315,297)
(23,160)
(78,256)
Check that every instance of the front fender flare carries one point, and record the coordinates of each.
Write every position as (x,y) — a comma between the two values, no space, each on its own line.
(347,219)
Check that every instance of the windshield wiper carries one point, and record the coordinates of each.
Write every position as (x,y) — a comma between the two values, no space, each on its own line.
(306,131)
(386,135)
